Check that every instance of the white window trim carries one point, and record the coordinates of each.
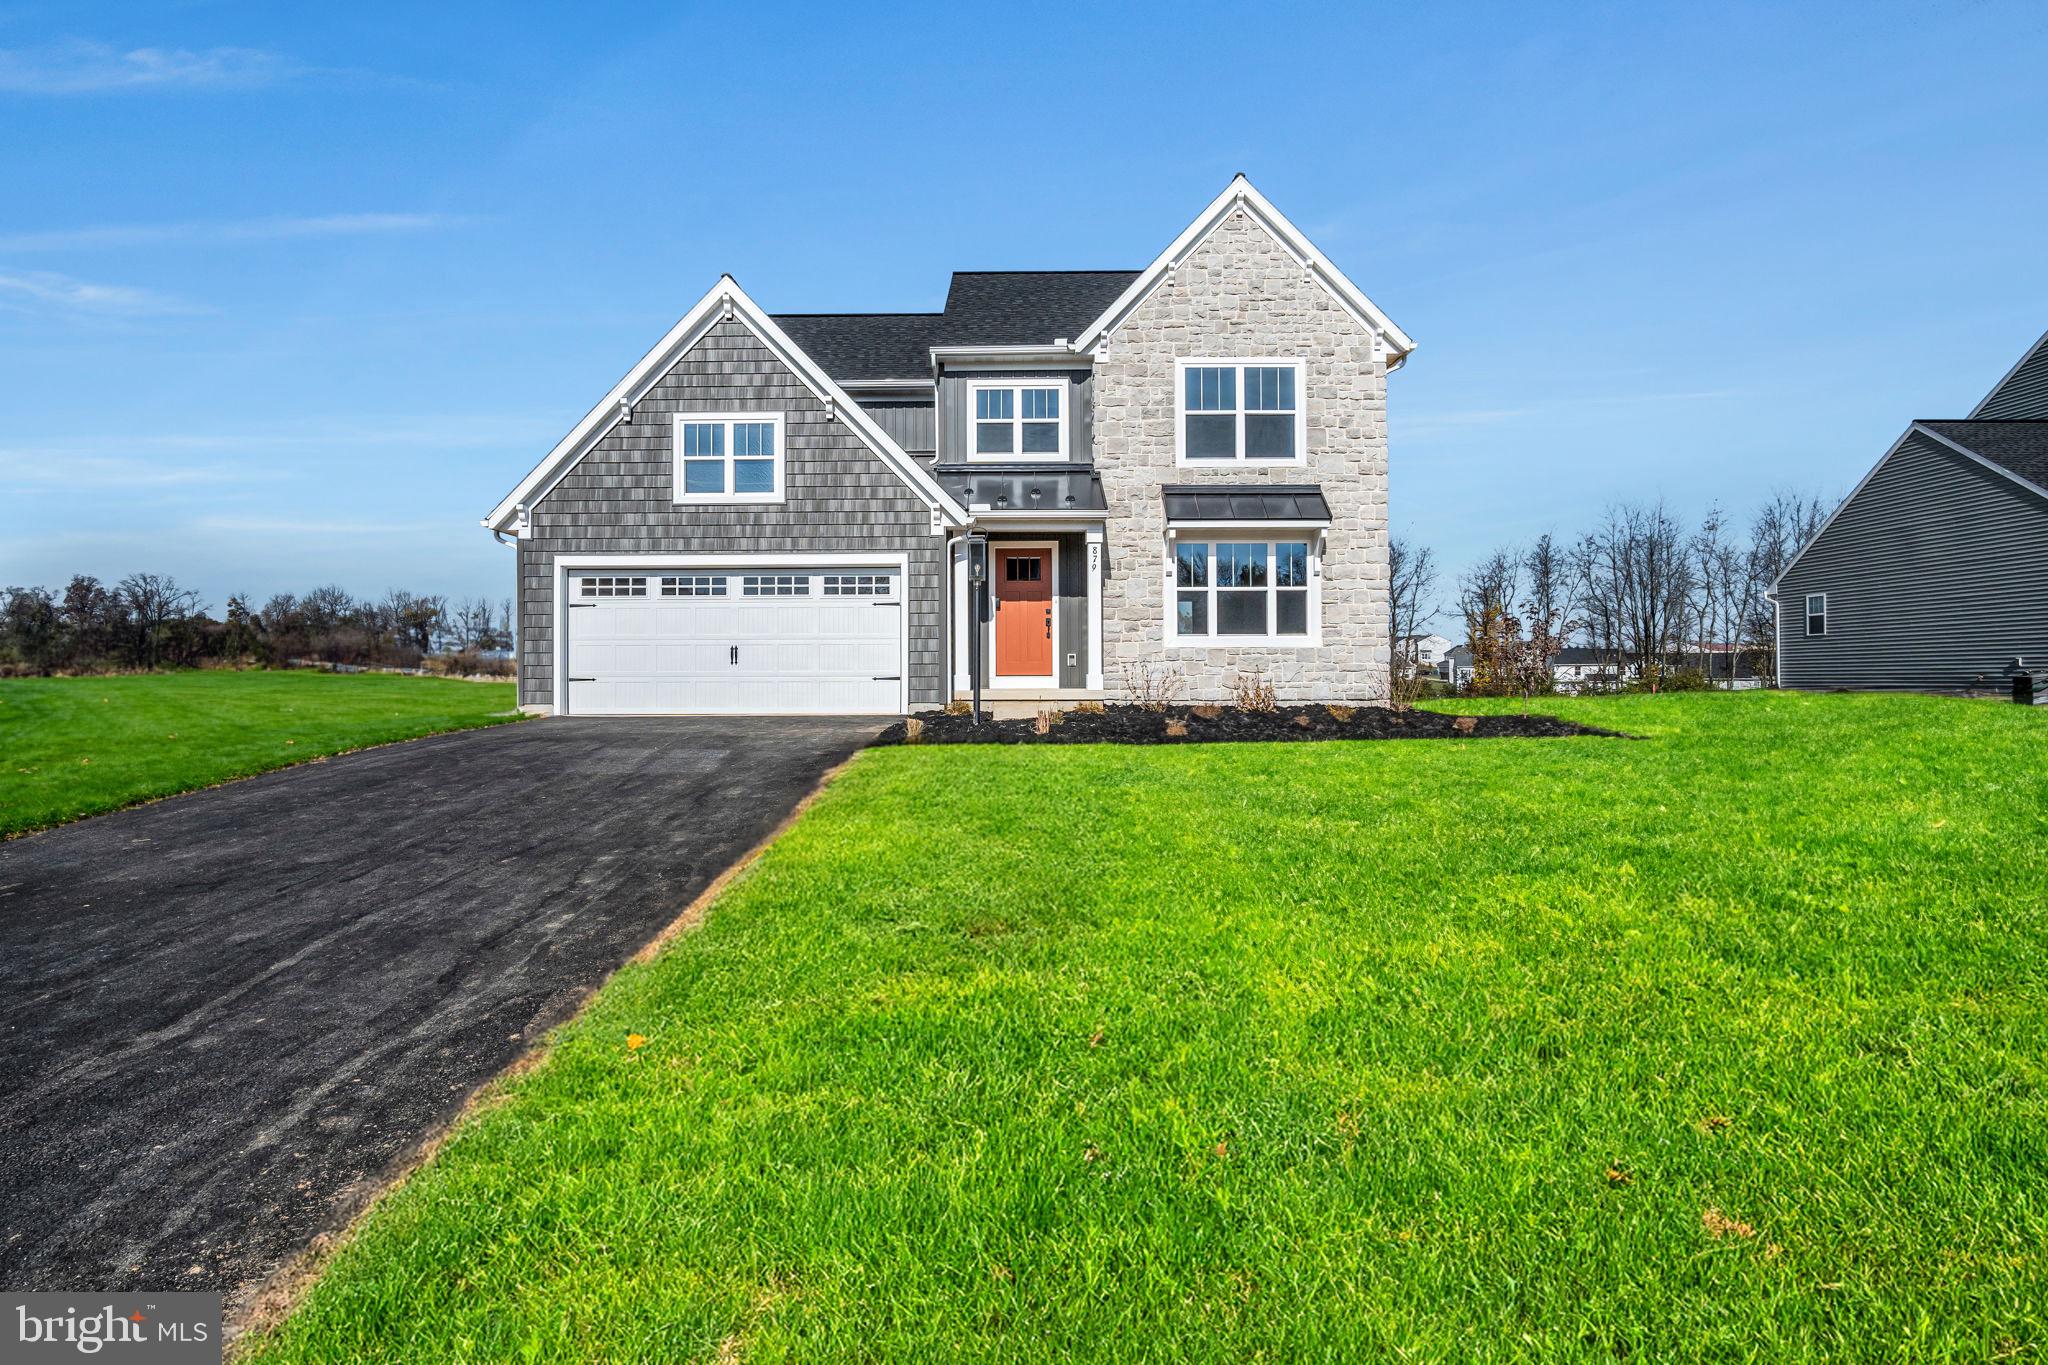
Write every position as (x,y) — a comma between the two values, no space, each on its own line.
(1240,460)
(728,498)
(1246,534)
(1017,455)
(1811,613)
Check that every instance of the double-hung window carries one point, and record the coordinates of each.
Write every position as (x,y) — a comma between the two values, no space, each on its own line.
(728,457)
(1246,410)
(1816,613)
(1241,591)
(1019,420)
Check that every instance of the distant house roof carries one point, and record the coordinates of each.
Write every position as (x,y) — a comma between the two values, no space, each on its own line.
(1256,502)
(866,345)
(2019,448)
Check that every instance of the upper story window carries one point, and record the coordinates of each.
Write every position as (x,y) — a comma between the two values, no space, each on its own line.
(1816,613)
(728,457)
(1019,420)
(1239,410)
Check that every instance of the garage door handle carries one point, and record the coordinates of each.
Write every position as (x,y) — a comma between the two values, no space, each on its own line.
(735,654)
(893,677)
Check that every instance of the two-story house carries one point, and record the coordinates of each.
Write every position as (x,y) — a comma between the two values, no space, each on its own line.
(1180,472)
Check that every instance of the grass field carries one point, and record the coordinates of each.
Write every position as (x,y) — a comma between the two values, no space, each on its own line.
(1728,1043)
(78,746)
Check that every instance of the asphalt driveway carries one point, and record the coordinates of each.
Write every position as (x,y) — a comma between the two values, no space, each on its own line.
(226,1017)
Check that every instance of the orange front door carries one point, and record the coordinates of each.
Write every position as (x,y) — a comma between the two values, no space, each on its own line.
(1023,612)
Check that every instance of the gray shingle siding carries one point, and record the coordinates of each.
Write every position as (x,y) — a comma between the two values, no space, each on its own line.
(619,499)
(1934,576)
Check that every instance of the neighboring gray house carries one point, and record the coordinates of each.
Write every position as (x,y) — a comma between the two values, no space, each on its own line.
(1181,471)
(1933,574)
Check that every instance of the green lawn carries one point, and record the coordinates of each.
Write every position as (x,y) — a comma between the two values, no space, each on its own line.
(1727,1043)
(78,746)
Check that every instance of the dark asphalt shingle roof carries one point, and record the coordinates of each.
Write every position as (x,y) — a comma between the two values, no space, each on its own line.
(1245,502)
(2020,447)
(866,345)
(983,308)
(1027,307)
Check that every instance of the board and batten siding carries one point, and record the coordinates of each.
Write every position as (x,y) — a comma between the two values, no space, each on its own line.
(619,499)
(1936,574)
(956,409)
(909,424)
(2021,395)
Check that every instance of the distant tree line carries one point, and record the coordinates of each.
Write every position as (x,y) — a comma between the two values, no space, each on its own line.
(148,621)
(1662,604)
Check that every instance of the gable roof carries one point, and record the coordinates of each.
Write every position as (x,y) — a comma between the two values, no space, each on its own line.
(1240,196)
(723,300)
(1026,307)
(2023,393)
(855,346)
(2017,449)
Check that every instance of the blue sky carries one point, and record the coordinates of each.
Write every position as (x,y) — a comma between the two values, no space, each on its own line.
(292,294)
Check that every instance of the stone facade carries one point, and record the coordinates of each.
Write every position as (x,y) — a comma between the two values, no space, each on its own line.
(619,500)
(1243,293)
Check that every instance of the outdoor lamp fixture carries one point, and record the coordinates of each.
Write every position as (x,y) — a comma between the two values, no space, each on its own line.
(977,612)
(1033,493)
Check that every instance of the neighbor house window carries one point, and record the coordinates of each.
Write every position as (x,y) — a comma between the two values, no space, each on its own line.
(1239,410)
(1019,420)
(1232,591)
(728,457)
(1817,613)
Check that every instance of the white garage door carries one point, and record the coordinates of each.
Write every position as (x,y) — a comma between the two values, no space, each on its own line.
(767,641)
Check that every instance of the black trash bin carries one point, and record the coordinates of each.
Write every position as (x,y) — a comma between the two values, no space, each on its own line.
(2027,689)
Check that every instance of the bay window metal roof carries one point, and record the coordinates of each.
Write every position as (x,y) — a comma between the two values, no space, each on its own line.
(1265,503)
(1056,490)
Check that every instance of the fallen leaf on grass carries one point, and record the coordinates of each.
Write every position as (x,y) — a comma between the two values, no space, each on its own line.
(1093,1154)
(1001,1272)
(1095,1039)
(1721,1225)
(1617,1176)
(1714,1123)
(1223,1149)
(635,1041)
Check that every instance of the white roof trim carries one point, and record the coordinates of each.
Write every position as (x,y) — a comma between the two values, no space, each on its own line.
(1915,429)
(2025,356)
(724,300)
(1241,194)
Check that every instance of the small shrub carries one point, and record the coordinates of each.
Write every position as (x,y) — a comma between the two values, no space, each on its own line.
(1153,688)
(1207,711)
(1176,729)
(959,706)
(1341,714)
(913,731)
(1252,692)
(1090,708)
(1304,719)
(1465,725)
(1045,720)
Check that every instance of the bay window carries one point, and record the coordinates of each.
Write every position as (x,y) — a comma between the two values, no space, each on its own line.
(1237,591)
(1247,410)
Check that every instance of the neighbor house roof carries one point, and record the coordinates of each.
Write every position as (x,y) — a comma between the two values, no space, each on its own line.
(2018,448)
(1254,502)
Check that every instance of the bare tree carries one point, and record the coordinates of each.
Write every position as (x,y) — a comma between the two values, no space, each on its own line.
(1411,576)
(156,604)
(1636,583)
(1782,527)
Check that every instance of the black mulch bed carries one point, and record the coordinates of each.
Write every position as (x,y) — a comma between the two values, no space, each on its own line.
(1123,723)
